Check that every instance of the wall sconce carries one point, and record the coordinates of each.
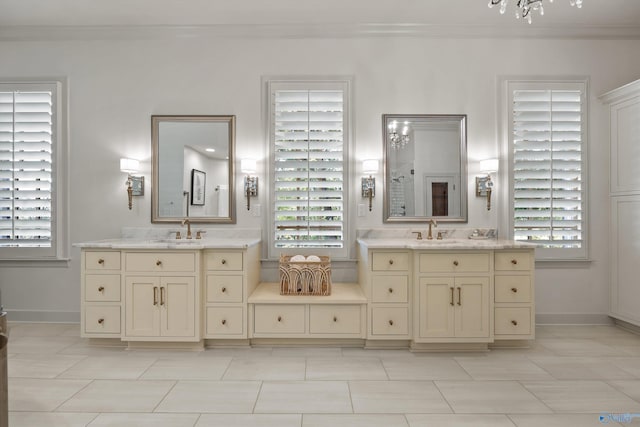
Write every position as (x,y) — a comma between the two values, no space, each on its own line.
(248,166)
(369,183)
(484,184)
(135,184)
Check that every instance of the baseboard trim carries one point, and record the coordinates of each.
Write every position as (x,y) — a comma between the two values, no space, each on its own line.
(573,319)
(43,316)
(627,326)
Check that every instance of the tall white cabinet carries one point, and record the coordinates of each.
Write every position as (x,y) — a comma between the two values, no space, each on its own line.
(624,198)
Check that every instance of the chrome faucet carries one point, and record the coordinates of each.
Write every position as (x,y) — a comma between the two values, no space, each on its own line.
(186,221)
(435,224)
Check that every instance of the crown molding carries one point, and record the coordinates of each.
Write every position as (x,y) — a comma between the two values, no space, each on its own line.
(166,32)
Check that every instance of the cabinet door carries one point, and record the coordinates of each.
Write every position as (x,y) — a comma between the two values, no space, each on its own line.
(471,307)
(177,307)
(436,307)
(142,316)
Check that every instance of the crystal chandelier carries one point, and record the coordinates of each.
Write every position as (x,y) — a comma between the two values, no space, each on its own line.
(525,7)
(398,140)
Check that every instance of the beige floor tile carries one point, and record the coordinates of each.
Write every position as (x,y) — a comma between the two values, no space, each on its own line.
(353,420)
(579,347)
(559,420)
(490,397)
(188,368)
(270,368)
(343,368)
(397,397)
(249,420)
(40,366)
(229,397)
(378,353)
(581,396)
(27,394)
(118,396)
(287,397)
(515,368)
(240,353)
(43,329)
(145,420)
(307,352)
(580,368)
(631,365)
(629,387)
(458,420)
(50,419)
(434,368)
(84,349)
(40,345)
(109,368)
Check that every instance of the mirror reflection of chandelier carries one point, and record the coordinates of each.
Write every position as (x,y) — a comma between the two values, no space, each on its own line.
(398,140)
(525,7)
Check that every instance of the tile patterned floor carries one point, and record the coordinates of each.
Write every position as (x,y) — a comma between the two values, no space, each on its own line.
(569,378)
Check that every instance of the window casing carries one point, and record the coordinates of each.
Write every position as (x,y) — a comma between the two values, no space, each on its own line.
(547,166)
(32,152)
(309,136)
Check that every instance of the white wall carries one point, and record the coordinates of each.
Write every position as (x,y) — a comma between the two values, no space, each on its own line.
(116,85)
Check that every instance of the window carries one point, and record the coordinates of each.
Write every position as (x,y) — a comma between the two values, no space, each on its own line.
(309,136)
(547,154)
(30,145)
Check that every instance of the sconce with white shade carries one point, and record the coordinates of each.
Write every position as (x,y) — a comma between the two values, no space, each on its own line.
(484,184)
(135,184)
(369,183)
(248,166)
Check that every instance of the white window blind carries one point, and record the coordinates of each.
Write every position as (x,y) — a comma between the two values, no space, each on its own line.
(26,146)
(548,167)
(308,140)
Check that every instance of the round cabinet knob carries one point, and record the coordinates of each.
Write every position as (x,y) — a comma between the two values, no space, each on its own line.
(456,263)
(101,261)
(279,318)
(390,262)
(335,319)
(158,263)
(514,261)
(390,322)
(224,289)
(390,290)
(100,321)
(224,322)
(101,289)
(224,261)
(514,322)
(514,290)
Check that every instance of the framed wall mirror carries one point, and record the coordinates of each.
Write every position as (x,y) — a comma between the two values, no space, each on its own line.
(425,167)
(193,154)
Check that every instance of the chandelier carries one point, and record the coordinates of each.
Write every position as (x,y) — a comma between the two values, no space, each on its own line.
(525,7)
(398,140)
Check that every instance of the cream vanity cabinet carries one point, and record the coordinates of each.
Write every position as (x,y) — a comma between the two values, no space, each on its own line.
(162,296)
(100,294)
(452,297)
(514,295)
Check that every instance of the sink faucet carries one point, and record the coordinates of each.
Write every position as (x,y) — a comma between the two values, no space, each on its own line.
(435,224)
(186,221)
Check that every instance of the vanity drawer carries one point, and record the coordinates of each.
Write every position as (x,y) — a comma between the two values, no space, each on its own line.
(224,288)
(390,321)
(101,319)
(513,289)
(279,319)
(102,287)
(160,261)
(223,261)
(334,319)
(454,262)
(224,320)
(390,261)
(512,261)
(390,288)
(102,260)
(513,321)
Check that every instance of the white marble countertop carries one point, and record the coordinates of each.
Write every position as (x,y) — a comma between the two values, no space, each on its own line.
(461,244)
(184,244)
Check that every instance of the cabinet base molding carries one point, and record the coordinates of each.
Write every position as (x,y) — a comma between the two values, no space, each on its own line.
(307,342)
(447,347)
(510,344)
(386,344)
(627,326)
(166,345)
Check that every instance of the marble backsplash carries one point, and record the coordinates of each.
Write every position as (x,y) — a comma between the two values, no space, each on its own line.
(408,233)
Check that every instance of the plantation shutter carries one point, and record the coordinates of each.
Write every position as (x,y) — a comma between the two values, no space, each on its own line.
(547,149)
(26,138)
(308,129)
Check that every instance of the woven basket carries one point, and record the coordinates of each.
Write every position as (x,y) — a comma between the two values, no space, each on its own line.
(305,277)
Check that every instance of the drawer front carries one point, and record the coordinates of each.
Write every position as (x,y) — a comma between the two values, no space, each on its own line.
(334,319)
(390,321)
(102,287)
(454,263)
(512,261)
(224,261)
(390,288)
(279,319)
(102,319)
(224,288)
(513,321)
(513,289)
(161,261)
(102,260)
(225,320)
(390,261)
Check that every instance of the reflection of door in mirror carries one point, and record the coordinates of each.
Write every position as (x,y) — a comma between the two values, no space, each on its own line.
(441,196)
